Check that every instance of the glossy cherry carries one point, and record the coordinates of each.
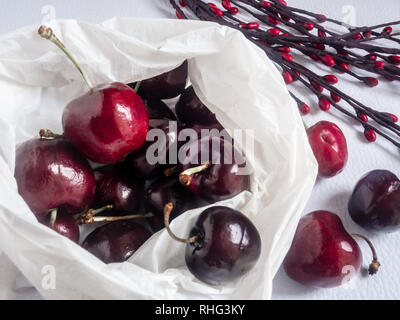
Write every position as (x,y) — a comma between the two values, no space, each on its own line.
(116,241)
(165,86)
(157,109)
(52,174)
(375,202)
(322,254)
(191,110)
(212,169)
(106,123)
(64,224)
(115,187)
(138,163)
(163,191)
(329,146)
(223,246)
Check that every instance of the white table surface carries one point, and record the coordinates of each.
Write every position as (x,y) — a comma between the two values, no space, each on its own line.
(330,194)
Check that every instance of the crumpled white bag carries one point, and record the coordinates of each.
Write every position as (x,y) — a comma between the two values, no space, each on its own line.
(231,75)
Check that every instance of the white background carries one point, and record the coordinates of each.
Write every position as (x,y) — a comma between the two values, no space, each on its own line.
(330,194)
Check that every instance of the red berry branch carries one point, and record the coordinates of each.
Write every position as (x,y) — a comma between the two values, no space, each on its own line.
(285,33)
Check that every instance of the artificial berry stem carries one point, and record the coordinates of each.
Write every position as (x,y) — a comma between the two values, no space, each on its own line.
(374,266)
(46,133)
(47,33)
(186,176)
(167,212)
(53,217)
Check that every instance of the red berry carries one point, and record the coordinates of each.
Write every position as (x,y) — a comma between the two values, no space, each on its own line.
(226,4)
(388,30)
(182,3)
(287,56)
(370,135)
(315,57)
(178,15)
(324,104)
(331,79)
(371,82)
(265,4)
(273,32)
(335,97)
(317,87)
(343,53)
(234,10)
(371,57)
(282,2)
(304,109)
(273,20)
(379,65)
(357,36)
(283,49)
(217,11)
(328,61)
(212,5)
(319,46)
(284,18)
(344,66)
(394,59)
(287,77)
(363,117)
(296,75)
(242,25)
(321,33)
(367,34)
(308,26)
(391,116)
(321,17)
(252,25)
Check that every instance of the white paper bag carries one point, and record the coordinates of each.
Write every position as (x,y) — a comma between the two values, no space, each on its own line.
(231,75)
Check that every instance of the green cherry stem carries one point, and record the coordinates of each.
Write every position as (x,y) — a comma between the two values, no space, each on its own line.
(167,212)
(53,217)
(47,33)
(137,86)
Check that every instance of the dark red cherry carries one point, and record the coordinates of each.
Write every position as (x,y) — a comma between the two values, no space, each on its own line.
(375,201)
(106,123)
(138,163)
(191,110)
(329,146)
(116,241)
(165,86)
(157,109)
(322,254)
(64,224)
(163,191)
(116,187)
(52,174)
(227,246)
(212,169)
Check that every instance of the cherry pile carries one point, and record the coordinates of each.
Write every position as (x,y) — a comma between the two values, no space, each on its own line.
(121,188)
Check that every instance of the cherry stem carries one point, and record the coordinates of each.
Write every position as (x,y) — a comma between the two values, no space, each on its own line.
(186,176)
(170,171)
(47,33)
(93,219)
(46,133)
(137,86)
(374,266)
(89,215)
(53,217)
(167,212)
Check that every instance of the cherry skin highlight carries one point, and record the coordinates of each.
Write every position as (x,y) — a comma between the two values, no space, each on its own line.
(375,202)
(329,147)
(322,252)
(51,174)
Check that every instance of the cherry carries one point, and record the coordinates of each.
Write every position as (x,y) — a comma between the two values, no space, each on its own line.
(106,123)
(323,254)
(219,177)
(138,163)
(163,191)
(329,146)
(191,110)
(375,201)
(223,245)
(62,223)
(115,187)
(157,109)
(52,174)
(164,86)
(116,241)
